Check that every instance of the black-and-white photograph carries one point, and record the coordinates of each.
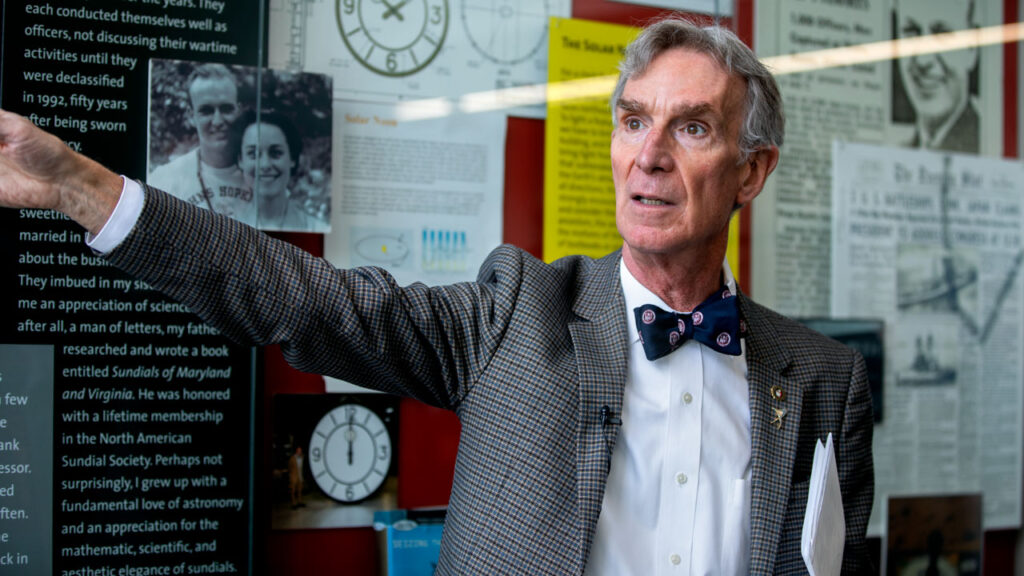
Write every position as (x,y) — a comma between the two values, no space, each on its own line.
(934,534)
(935,94)
(933,360)
(253,144)
(933,280)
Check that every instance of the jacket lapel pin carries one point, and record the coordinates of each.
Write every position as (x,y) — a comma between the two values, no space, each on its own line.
(778,393)
(779,413)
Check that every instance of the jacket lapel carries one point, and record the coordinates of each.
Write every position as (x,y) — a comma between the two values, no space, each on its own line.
(773,437)
(598,335)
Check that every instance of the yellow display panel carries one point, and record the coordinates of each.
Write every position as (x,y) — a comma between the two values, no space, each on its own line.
(579,197)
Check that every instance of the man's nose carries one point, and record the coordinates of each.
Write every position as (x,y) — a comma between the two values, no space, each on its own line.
(656,151)
(924,61)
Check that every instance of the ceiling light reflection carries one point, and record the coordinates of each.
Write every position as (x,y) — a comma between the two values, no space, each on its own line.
(602,86)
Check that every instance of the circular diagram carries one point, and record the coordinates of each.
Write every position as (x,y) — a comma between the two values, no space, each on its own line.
(506,31)
(382,249)
(393,37)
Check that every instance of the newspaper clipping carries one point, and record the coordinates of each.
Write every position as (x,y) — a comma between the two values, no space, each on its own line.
(931,241)
(889,96)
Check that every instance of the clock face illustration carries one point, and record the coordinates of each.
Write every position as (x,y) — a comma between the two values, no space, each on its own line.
(393,37)
(350,453)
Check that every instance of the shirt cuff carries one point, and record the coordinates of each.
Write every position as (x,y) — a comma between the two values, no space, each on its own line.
(121,221)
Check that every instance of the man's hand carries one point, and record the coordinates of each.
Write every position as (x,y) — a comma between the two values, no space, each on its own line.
(38,171)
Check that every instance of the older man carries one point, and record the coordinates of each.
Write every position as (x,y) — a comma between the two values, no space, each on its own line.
(591,443)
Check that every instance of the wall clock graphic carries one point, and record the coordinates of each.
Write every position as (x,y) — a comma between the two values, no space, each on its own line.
(393,37)
(350,453)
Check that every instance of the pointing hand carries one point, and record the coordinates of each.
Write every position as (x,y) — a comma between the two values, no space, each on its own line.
(37,170)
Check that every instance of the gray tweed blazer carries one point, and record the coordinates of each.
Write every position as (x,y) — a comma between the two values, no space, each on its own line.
(526,356)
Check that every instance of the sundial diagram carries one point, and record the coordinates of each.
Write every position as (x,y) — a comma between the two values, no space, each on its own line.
(382,248)
(393,37)
(507,32)
(441,250)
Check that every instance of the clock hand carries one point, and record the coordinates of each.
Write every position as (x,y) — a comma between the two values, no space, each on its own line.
(394,9)
(350,436)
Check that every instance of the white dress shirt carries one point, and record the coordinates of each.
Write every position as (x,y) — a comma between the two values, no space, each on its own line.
(121,221)
(677,499)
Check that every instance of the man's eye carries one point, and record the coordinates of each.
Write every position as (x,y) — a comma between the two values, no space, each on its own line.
(224,109)
(634,124)
(694,129)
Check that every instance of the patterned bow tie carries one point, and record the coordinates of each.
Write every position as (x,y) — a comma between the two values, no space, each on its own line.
(715,323)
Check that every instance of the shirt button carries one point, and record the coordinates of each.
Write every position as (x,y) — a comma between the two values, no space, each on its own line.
(681,478)
(675,559)
(687,398)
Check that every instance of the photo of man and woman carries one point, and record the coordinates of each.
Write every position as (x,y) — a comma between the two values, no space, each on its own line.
(209,144)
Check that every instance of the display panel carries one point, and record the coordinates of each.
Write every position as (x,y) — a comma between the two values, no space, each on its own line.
(127,422)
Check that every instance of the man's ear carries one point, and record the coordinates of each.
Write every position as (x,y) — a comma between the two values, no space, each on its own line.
(757,167)
(189,115)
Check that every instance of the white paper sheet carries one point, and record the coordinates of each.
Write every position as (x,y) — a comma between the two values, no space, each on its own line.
(419,198)
(824,533)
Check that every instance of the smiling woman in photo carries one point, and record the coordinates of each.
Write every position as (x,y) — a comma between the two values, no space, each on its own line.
(269,158)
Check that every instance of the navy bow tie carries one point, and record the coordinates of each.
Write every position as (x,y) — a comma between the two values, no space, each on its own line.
(714,323)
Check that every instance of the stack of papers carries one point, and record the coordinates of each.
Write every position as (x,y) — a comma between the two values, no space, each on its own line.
(824,531)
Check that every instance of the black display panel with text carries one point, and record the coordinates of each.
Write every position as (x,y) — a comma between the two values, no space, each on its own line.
(125,422)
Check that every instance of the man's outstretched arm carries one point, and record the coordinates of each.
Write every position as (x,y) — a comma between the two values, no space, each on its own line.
(38,171)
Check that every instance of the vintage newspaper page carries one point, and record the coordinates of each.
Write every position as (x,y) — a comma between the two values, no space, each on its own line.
(931,243)
(871,102)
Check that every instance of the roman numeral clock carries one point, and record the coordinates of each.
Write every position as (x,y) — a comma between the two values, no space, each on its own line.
(393,37)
